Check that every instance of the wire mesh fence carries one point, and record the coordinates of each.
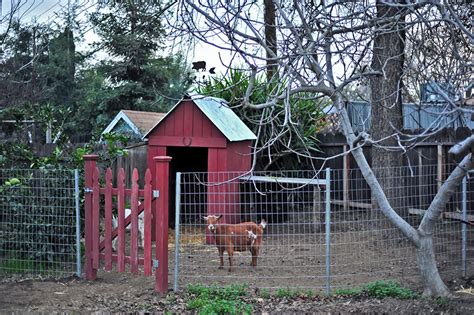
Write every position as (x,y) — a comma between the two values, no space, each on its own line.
(324,231)
(39,223)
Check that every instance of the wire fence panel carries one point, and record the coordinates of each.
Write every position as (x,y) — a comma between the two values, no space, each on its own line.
(38,223)
(299,248)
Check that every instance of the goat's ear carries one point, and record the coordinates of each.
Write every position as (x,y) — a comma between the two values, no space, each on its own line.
(204,218)
(218,217)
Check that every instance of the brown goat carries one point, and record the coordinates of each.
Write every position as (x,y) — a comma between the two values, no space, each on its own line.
(236,238)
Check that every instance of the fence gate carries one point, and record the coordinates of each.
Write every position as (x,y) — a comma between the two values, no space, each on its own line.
(124,208)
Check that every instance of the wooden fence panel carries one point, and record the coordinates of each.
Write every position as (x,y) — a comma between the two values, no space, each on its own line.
(98,249)
(108,220)
(134,224)
(147,253)
(121,220)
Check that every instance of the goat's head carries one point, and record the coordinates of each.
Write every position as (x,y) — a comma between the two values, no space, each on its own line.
(211,221)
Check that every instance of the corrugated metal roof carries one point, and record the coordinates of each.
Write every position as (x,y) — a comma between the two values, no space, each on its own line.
(415,116)
(221,116)
(224,118)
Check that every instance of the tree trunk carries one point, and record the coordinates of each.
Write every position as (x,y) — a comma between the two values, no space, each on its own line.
(270,39)
(432,283)
(386,108)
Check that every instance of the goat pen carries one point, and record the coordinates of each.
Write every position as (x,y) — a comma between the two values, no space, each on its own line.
(315,238)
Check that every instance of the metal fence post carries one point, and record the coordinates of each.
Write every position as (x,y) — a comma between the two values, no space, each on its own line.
(78,223)
(176,231)
(463,226)
(328,231)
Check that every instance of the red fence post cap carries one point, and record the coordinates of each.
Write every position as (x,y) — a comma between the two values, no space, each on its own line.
(162,158)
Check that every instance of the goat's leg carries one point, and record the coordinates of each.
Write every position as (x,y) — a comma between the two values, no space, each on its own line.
(230,252)
(221,256)
(254,251)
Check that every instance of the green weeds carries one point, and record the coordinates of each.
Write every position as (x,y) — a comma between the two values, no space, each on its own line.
(216,300)
(294,293)
(21,266)
(379,289)
(383,289)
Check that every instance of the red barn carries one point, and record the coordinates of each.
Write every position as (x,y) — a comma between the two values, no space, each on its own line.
(202,134)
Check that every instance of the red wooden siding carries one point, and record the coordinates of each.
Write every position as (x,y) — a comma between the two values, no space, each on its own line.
(186,120)
(239,156)
(187,126)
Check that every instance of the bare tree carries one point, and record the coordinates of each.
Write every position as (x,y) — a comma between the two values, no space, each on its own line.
(386,100)
(270,37)
(324,46)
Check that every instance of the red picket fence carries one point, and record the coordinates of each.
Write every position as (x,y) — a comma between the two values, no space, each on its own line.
(99,245)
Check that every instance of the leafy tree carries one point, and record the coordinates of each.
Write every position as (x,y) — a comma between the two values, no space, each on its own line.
(38,69)
(298,137)
(24,50)
(60,69)
(135,77)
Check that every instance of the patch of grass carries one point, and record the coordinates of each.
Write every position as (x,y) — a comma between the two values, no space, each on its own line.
(348,292)
(442,301)
(19,266)
(309,293)
(230,291)
(217,300)
(383,289)
(286,293)
(293,293)
(379,290)
(265,293)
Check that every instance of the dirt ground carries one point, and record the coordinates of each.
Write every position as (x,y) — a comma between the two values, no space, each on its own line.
(284,262)
(113,292)
(297,259)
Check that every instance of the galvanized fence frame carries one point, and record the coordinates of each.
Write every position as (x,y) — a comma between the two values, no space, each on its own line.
(39,223)
(453,260)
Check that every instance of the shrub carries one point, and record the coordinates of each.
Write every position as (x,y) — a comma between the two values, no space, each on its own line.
(382,289)
(216,300)
(37,219)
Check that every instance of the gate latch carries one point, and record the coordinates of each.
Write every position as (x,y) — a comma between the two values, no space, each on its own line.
(88,190)
(155,264)
(156,193)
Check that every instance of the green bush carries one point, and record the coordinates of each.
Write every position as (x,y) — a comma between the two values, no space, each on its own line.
(382,289)
(37,217)
(379,289)
(293,293)
(348,292)
(216,300)
(265,293)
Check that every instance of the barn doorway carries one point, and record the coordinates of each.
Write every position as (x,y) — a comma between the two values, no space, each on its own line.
(185,160)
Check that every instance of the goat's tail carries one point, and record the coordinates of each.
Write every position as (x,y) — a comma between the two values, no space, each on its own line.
(263,223)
